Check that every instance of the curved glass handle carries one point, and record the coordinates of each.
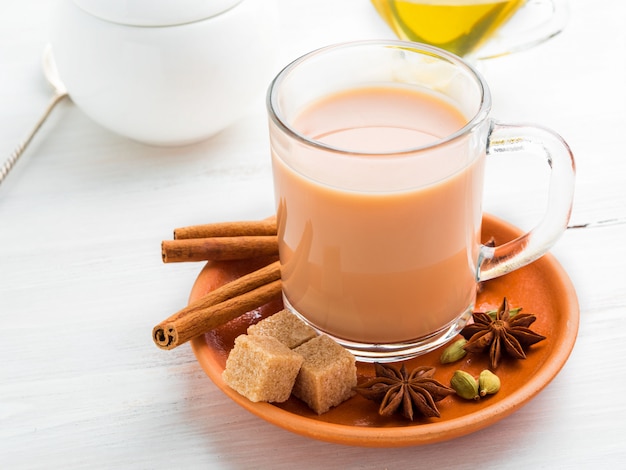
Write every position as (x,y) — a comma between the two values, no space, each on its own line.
(535,22)
(505,138)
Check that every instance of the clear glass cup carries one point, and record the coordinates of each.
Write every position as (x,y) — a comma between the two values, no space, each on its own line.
(378,153)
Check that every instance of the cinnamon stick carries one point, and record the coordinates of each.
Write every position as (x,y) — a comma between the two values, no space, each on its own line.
(219,248)
(220,306)
(228,229)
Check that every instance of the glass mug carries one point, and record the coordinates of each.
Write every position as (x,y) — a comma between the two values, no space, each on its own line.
(378,153)
(475,27)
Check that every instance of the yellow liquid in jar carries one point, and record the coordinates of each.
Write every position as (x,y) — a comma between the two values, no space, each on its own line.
(459,26)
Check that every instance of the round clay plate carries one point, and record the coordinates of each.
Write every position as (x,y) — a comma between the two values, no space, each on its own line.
(542,288)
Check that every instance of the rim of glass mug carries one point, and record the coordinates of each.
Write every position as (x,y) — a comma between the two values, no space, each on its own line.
(476,120)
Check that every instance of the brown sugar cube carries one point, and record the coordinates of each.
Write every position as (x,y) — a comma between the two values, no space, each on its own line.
(327,375)
(285,327)
(261,368)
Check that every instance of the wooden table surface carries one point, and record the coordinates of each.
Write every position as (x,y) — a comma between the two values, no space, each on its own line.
(82,282)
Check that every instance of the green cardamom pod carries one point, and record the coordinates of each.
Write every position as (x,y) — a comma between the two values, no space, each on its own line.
(454,352)
(465,385)
(488,383)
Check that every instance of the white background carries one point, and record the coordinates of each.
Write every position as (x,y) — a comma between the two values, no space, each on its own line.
(82,282)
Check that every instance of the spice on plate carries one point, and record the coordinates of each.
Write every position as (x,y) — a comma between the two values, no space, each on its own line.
(465,385)
(488,383)
(504,334)
(411,394)
(454,352)
(219,306)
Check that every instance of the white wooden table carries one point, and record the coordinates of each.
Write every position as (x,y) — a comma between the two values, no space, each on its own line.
(82,282)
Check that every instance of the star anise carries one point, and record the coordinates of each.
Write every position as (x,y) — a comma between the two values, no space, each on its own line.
(412,393)
(506,333)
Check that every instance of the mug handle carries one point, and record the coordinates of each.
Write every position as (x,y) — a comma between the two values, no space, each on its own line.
(536,22)
(533,140)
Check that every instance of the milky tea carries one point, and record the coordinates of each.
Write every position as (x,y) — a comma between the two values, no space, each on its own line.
(377,266)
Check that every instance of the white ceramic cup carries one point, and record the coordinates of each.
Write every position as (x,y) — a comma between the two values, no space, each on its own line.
(165,72)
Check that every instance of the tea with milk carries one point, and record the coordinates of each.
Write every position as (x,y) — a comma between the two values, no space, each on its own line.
(379,266)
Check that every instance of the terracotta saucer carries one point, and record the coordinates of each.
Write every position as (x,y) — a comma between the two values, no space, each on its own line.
(542,288)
